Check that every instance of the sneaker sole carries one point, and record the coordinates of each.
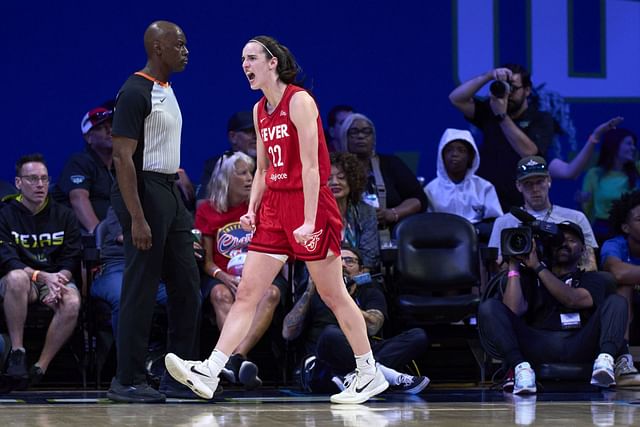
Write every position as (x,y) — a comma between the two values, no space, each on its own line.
(177,370)
(361,397)
(602,379)
(525,390)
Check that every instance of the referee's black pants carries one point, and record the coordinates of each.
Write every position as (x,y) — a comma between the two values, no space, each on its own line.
(171,258)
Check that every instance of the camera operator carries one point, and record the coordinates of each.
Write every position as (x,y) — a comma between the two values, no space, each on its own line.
(511,129)
(562,315)
(329,352)
(533,181)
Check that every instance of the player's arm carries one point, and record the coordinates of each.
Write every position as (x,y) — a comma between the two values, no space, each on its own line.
(81,204)
(262,164)
(304,115)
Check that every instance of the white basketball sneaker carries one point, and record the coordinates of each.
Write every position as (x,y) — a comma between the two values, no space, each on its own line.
(359,388)
(194,374)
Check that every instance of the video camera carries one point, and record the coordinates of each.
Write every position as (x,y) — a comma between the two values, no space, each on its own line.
(532,234)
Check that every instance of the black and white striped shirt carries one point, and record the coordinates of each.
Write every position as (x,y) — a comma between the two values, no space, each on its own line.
(147,110)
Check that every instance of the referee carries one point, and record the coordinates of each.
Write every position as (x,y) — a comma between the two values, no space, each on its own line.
(147,124)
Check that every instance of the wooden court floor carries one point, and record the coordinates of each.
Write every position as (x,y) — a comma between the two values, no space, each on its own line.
(287,408)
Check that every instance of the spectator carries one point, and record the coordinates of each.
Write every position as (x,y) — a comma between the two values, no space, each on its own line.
(533,181)
(241,134)
(457,189)
(615,174)
(224,239)
(39,250)
(555,314)
(107,284)
(559,169)
(391,186)
(360,225)
(335,118)
(511,128)
(328,345)
(620,255)
(86,179)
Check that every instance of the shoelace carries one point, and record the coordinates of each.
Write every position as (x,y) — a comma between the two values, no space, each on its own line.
(350,379)
(405,379)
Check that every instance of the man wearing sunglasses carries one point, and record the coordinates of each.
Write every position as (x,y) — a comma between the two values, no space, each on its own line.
(511,128)
(39,249)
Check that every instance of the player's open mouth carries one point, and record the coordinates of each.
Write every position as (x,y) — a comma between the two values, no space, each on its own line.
(251,77)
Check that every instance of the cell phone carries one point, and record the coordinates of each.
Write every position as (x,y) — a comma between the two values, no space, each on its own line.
(362,279)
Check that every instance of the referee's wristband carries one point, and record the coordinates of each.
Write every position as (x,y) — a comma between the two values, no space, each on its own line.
(539,268)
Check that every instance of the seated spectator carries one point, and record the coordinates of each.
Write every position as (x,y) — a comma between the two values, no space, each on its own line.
(86,179)
(620,256)
(359,222)
(107,284)
(335,118)
(6,189)
(39,250)
(615,174)
(224,239)
(391,186)
(330,352)
(457,190)
(241,134)
(556,313)
(534,182)
(559,169)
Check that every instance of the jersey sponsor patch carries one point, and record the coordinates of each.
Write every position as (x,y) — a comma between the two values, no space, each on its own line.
(77,179)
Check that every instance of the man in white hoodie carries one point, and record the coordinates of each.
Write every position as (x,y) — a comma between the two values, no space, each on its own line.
(457,190)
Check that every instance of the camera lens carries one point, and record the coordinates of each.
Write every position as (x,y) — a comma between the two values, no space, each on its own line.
(499,88)
(518,242)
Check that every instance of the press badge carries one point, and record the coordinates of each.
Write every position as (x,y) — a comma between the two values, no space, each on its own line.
(570,320)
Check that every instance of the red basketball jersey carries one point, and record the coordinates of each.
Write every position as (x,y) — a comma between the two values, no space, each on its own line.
(280,139)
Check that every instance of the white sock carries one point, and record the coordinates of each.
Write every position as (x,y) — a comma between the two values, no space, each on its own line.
(391,375)
(366,364)
(216,362)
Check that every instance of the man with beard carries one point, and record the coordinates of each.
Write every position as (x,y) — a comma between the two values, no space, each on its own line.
(511,128)
(555,314)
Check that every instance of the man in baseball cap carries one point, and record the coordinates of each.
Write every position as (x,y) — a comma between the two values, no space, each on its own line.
(85,182)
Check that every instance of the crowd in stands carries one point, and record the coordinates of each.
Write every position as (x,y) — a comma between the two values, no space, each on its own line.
(569,300)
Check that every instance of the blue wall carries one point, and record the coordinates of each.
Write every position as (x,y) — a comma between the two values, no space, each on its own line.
(394,61)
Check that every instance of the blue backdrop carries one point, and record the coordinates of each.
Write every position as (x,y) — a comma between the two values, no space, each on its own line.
(394,61)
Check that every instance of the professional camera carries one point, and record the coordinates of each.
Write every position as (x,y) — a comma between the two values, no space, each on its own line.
(499,88)
(532,234)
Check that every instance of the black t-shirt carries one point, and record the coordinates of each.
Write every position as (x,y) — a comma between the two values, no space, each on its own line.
(367,297)
(498,160)
(399,182)
(544,310)
(86,171)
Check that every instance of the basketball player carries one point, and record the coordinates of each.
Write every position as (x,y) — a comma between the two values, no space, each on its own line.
(293,214)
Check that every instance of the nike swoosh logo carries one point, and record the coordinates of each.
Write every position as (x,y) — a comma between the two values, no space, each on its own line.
(162,100)
(195,371)
(359,390)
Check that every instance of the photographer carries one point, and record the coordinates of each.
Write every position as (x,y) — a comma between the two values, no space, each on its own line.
(511,129)
(330,353)
(556,314)
(533,181)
